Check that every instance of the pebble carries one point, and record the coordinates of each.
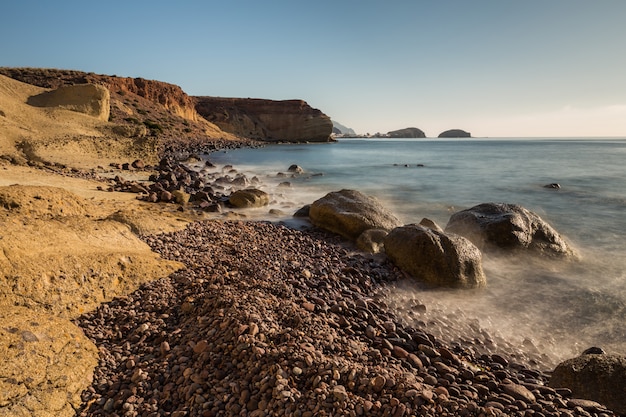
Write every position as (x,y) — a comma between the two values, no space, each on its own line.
(270,321)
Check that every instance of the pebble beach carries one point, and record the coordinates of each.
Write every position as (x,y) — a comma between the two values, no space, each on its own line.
(266,320)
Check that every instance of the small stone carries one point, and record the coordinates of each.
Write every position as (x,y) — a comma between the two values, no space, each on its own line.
(519,392)
(339,392)
(29,336)
(378,383)
(415,361)
(201,346)
(308,306)
(400,353)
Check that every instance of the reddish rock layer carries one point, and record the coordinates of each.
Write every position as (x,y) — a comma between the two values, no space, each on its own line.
(269,120)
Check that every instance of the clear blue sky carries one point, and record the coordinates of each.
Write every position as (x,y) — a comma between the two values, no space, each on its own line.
(492,67)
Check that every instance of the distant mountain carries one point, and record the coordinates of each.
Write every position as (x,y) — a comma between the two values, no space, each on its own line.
(409,132)
(340,129)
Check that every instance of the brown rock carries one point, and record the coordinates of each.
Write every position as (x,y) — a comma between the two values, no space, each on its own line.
(249,198)
(436,258)
(519,392)
(350,213)
(596,377)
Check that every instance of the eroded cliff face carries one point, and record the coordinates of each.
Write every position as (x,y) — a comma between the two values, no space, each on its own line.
(267,120)
(148,102)
(170,96)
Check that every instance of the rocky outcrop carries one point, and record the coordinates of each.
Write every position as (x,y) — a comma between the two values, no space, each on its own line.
(90,99)
(439,259)
(170,96)
(350,213)
(508,227)
(600,378)
(409,132)
(455,133)
(267,120)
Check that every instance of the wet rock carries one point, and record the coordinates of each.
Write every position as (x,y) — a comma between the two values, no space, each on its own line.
(349,213)
(436,258)
(508,227)
(249,198)
(295,169)
(597,377)
(372,240)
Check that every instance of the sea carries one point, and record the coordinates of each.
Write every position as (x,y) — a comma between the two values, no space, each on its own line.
(551,309)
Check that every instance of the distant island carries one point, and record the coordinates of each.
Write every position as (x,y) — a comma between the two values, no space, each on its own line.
(409,132)
(341,131)
(455,133)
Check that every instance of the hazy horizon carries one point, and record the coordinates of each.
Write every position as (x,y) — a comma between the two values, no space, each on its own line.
(492,68)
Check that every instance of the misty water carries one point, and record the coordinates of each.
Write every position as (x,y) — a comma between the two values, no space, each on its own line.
(551,310)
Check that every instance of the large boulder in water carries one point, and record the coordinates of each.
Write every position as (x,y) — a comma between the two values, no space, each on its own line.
(250,197)
(499,226)
(350,213)
(437,258)
(600,378)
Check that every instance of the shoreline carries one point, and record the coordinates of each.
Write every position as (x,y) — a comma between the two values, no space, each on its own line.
(299,307)
(267,320)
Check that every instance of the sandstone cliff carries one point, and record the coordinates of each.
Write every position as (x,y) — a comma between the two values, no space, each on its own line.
(268,120)
(170,96)
(144,110)
(168,112)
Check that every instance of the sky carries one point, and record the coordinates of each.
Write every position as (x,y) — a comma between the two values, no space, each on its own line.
(495,68)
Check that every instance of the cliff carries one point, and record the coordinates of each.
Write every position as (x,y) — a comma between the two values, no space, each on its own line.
(409,132)
(268,120)
(150,103)
(170,96)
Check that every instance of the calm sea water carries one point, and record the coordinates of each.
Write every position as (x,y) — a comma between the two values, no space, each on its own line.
(559,308)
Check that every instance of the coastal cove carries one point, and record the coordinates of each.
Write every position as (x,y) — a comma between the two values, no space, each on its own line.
(556,308)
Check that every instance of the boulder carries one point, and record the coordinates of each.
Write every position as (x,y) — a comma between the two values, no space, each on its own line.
(434,257)
(47,362)
(600,378)
(91,99)
(509,227)
(349,213)
(248,198)
(296,169)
